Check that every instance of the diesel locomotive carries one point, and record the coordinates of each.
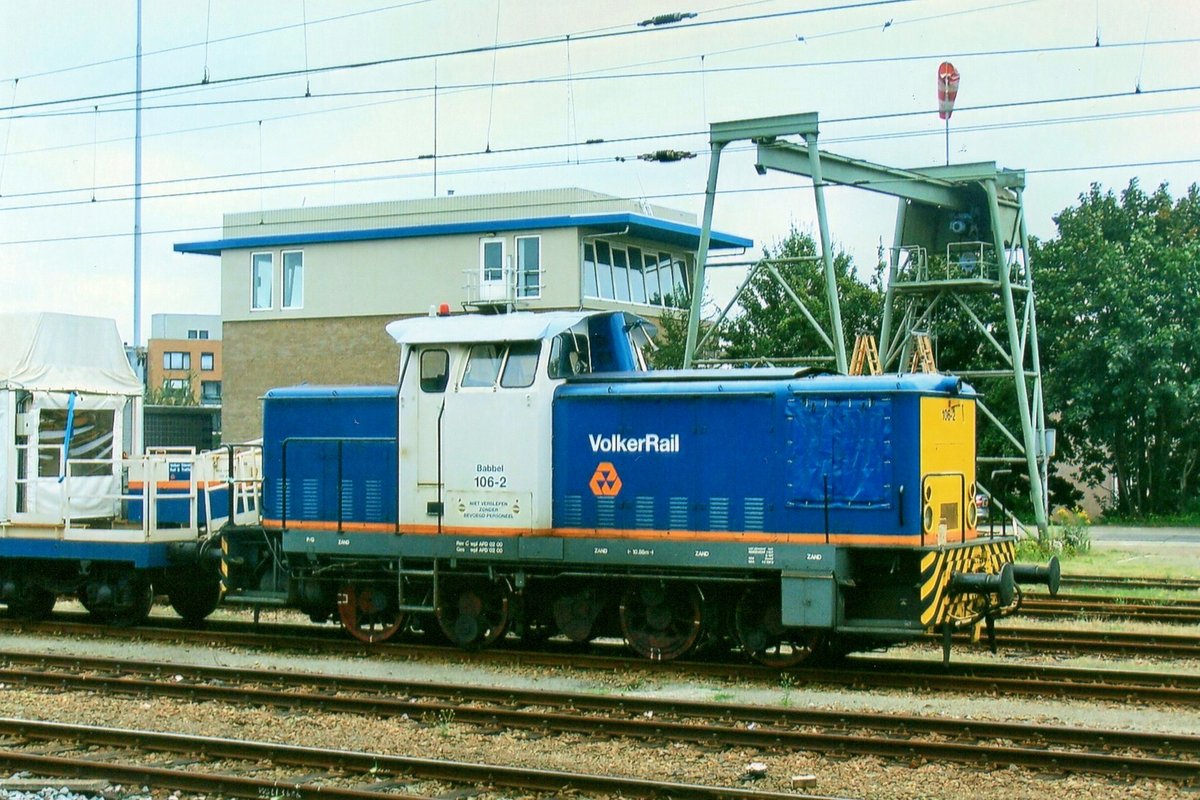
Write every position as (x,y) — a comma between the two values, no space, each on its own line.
(527,474)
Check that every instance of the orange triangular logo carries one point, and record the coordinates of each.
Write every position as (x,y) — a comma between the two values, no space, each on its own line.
(605,481)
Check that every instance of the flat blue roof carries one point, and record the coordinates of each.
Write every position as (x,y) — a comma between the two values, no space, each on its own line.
(639,225)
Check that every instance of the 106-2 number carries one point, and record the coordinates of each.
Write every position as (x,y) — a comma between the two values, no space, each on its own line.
(491,482)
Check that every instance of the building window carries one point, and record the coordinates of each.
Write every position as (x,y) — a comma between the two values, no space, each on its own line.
(637,281)
(293,279)
(604,275)
(650,270)
(177,360)
(632,275)
(197,333)
(529,266)
(176,384)
(589,271)
(206,362)
(620,261)
(262,279)
(491,260)
(210,391)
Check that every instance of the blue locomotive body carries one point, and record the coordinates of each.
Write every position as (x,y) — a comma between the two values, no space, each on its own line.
(329,453)
(820,457)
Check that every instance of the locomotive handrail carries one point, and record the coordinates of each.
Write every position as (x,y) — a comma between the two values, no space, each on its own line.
(962,493)
(232,480)
(339,440)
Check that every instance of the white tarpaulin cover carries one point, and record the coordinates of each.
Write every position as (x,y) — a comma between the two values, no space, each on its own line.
(71,366)
(64,352)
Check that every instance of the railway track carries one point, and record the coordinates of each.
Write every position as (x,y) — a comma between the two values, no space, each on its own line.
(1113,643)
(1132,582)
(1180,612)
(856,672)
(227,767)
(1124,754)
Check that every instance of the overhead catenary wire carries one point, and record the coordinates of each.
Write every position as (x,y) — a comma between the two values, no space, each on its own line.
(260,173)
(119,107)
(520,44)
(416,92)
(690,195)
(207,40)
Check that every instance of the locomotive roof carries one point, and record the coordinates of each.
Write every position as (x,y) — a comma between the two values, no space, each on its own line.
(802,380)
(520,326)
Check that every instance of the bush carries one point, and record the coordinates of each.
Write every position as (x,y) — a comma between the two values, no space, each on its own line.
(1068,535)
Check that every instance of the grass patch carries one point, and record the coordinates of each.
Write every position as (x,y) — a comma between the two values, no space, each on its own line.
(1145,564)
(1186,520)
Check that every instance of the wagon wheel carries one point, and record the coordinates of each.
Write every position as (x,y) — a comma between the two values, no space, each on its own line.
(369,613)
(194,594)
(132,598)
(473,613)
(661,621)
(759,623)
(33,603)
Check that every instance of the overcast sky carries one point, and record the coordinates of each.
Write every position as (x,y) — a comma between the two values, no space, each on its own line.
(1073,91)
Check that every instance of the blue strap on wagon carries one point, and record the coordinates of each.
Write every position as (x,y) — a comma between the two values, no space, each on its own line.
(67,436)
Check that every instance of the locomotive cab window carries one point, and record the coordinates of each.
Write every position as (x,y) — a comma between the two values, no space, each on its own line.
(569,355)
(521,366)
(435,370)
(483,366)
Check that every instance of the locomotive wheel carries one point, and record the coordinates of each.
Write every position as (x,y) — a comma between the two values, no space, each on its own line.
(661,621)
(33,603)
(760,629)
(369,612)
(575,614)
(473,613)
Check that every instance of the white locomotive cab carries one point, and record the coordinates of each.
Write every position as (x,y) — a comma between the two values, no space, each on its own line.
(475,418)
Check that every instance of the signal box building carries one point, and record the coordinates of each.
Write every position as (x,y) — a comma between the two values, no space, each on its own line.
(306,292)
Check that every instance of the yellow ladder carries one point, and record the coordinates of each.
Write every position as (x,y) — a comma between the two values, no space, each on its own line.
(922,357)
(865,354)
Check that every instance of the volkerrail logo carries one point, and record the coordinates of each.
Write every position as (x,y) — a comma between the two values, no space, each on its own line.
(650,443)
(605,480)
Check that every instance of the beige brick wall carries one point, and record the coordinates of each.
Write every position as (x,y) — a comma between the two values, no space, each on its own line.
(263,355)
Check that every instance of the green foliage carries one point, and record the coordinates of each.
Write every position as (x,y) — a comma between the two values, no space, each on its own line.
(770,323)
(166,396)
(1069,536)
(672,335)
(1118,304)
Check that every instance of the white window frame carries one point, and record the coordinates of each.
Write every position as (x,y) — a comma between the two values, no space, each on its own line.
(296,303)
(270,283)
(483,269)
(521,268)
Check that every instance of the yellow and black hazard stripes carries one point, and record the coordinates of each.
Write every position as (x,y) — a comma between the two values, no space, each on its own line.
(938,565)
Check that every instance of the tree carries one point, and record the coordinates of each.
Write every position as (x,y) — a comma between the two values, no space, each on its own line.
(770,324)
(672,335)
(1118,298)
